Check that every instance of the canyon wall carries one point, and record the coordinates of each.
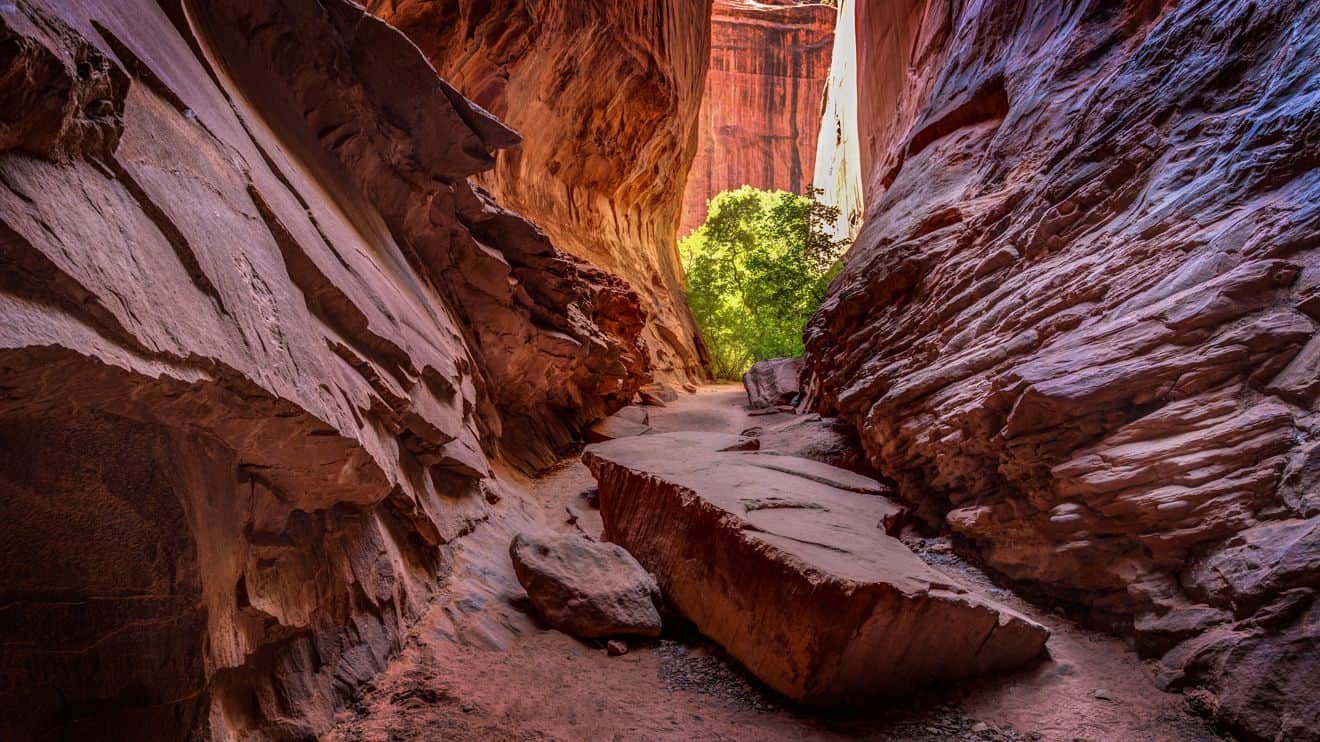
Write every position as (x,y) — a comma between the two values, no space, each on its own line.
(263,347)
(769,60)
(1079,324)
(605,94)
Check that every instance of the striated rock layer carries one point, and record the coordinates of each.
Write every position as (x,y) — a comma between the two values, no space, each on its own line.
(1079,324)
(761,113)
(605,94)
(261,343)
(785,563)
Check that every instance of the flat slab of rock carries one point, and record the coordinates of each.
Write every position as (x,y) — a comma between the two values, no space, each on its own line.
(773,382)
(628,421)
(584,588)
(783,561)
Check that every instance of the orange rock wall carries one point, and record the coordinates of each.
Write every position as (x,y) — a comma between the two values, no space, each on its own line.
(605,95)
(1079,325)
(762,108)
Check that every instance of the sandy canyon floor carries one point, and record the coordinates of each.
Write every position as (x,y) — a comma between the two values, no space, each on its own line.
(480,666)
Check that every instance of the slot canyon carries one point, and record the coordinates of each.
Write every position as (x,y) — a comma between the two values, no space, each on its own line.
(349,389)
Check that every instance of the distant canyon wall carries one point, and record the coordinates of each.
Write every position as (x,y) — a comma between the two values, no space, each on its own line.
(1079,323)
(605,95)
(761,114)
(264,349)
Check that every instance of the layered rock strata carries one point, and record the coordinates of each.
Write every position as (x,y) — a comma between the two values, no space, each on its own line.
(761,113)
(262,342)
(1079,324)
(606,96)
(785,563)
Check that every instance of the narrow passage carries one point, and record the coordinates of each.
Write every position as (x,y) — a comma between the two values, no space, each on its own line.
(479,665)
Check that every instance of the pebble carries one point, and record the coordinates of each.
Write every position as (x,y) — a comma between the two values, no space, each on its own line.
(615,647)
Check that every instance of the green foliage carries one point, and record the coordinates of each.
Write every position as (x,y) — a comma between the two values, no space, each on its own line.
(756,271)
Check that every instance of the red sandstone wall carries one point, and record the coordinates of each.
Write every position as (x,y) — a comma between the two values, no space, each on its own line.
(761,113)
(605,95)
(261,344)
(1079,326)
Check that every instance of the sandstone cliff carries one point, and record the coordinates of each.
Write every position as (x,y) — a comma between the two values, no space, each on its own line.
(1079,324)
(605,95)
(262,344)
(761,113)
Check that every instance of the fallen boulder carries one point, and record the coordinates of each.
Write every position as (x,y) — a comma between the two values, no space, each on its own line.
(784,562)
(656,395)
(773,382)
(626,422)
(585,588)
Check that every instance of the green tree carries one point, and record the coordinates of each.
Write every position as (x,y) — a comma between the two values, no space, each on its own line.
(756,271)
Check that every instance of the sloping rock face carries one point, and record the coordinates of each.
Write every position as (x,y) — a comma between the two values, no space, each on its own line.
(761,114)
(1079,324)
(261,342)
(606,95)
(784,562)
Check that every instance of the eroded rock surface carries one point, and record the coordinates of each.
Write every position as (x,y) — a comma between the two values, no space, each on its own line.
(261,342)
(586,589)
(1079,324)
(606,96)
(784,562)
(760,116)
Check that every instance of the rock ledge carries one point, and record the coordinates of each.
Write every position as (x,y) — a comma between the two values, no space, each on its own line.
(771,557)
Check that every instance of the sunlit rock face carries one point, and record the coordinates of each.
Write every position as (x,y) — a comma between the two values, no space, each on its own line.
(838,173)
(261,345)
(606,96)
(761,115)
(1079,324)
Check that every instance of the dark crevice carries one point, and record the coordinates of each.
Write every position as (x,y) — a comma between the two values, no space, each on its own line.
(182,248)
